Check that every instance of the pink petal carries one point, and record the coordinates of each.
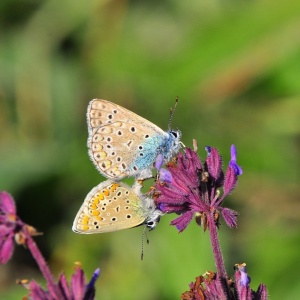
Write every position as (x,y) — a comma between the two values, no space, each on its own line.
(214,162)
(6,249)
(183,221)
(63,285)
(230,217)
(78,284)
(7,203)
(37,293)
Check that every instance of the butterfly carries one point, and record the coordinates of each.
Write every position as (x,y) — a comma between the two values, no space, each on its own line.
(112,206)
(123,144)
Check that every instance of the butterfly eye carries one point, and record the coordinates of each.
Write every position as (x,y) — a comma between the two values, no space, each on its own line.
(174,133)
(151,224)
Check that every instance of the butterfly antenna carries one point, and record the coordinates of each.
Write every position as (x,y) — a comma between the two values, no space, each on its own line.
(172,110)
(147,241)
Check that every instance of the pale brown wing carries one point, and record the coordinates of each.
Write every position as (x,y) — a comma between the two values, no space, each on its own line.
(110,206)
(119,137)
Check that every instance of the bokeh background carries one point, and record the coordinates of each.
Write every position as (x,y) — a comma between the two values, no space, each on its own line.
(235,66)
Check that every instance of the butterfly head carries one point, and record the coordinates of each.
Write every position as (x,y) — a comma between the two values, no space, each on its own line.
(153,219)
(174,144)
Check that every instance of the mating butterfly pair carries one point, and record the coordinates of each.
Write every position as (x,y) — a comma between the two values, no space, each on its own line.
(122,144)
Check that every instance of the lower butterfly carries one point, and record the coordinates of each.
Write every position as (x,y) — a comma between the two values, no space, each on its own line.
(112,206)
(123,144)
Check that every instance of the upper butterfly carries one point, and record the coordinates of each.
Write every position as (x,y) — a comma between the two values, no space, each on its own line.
(123,144)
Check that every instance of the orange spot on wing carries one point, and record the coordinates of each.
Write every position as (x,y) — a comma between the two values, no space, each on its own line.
(106,192)
(95,212)
(114,187)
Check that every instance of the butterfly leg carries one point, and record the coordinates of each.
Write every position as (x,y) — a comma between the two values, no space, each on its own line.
(139,180)
(144,174)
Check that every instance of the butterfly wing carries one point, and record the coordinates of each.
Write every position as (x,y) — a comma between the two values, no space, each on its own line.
(120,142)
(110,206)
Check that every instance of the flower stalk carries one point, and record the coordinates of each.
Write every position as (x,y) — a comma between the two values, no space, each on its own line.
(216,248)
(41,262)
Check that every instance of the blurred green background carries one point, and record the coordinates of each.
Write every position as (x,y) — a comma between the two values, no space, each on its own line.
(235,66)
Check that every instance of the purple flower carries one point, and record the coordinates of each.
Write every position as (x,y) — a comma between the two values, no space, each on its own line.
(242,278)
(78,289)
(195,187)
(159,161)
(8,226)
(209,286)
(163,174)
(237,169)
(12,229)
(242,285)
